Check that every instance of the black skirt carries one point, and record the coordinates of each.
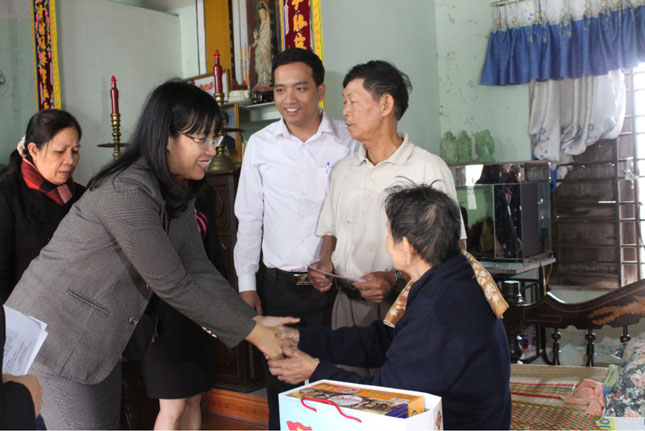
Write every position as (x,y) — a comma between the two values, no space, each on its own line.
(180,362)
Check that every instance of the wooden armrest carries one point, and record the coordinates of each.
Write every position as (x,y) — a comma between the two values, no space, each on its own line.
(620,307)
(617,308)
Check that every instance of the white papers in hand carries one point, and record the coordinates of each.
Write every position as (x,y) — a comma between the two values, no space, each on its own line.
(25,337)
(343,277)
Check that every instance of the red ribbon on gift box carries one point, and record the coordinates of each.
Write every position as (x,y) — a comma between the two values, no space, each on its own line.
(318,400)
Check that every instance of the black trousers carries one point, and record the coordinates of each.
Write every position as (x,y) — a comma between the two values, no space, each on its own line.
(283,298)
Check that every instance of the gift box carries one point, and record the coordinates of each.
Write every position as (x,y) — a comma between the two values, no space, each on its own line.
(333,405)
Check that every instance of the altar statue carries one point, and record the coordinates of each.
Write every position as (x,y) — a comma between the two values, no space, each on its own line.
(262,46)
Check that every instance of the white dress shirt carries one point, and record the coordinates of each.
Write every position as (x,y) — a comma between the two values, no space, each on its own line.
(354,212)
(282,187)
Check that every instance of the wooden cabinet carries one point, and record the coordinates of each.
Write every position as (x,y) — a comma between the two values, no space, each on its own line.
(240,368)
(225,185)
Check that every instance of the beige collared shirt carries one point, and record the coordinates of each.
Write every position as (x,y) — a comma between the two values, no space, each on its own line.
(354,213)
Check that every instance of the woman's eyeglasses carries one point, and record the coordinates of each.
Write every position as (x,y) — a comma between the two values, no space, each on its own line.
(204,143)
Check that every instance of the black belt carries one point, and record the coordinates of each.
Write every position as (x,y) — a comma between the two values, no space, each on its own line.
(347,287)
(297,278)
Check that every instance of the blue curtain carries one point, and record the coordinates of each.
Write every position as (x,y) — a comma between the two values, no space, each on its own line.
(592,45)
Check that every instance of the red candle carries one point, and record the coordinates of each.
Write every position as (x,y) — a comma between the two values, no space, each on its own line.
(114,95)
(217,73)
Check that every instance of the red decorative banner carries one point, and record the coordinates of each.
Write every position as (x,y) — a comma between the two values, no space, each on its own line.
(297,24)
(300,25)
(43,20)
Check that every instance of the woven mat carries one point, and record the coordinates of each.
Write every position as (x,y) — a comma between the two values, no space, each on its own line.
(545,384)
(536,391)
(561,374)
(544,417)
(542,390)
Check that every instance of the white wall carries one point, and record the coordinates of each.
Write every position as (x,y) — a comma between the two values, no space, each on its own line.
(17,96)
(462,29)
(186,10)
(401,32)
(441,45)
(101,38)
(189,45)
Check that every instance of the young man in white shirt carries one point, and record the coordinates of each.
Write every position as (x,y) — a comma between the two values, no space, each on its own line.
(283,183)
(353,222)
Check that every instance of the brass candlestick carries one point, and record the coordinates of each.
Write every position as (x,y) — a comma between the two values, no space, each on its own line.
(221,161)
(219,98)
(116,136)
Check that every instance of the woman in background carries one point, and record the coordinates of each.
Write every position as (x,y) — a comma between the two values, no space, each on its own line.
(131,234)
(36,191)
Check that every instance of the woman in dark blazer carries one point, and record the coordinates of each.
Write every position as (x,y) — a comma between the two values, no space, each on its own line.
(36,191)
(132,233)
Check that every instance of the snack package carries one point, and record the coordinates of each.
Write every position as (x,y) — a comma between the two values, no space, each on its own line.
(381,402)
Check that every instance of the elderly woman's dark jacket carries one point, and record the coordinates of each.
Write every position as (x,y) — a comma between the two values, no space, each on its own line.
(28,219)
(448,343)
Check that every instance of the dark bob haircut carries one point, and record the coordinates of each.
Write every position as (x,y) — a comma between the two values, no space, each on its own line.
(41,129)
(428,218)
(171,108)
(383,78)
(299,55)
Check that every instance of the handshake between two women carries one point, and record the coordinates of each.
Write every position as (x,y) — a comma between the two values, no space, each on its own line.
(280,348)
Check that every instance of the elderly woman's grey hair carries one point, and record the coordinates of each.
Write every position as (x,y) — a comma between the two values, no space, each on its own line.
(427,217)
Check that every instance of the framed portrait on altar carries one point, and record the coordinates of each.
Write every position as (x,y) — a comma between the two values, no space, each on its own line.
(206,82)
(233,141)
(301,25)
(256,35)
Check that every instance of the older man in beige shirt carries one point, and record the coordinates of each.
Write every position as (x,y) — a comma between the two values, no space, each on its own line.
(353,222)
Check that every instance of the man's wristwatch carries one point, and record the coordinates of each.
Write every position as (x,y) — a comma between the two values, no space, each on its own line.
(399,282)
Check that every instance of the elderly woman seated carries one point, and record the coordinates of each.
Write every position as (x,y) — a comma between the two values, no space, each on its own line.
(447,342)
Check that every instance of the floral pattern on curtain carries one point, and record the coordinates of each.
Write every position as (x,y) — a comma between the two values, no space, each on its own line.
(572,52)
(557,39)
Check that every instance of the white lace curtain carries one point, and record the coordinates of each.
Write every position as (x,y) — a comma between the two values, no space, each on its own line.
(569,115)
